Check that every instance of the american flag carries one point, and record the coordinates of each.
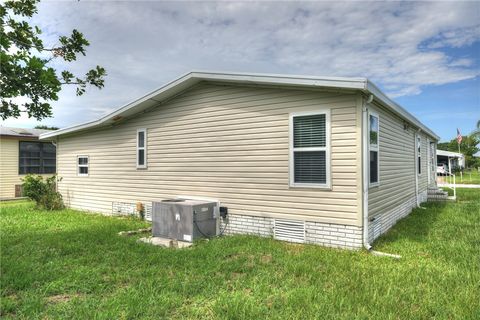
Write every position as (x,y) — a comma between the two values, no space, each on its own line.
(459,136)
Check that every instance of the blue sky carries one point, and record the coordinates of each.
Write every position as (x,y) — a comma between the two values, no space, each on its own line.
(425,55)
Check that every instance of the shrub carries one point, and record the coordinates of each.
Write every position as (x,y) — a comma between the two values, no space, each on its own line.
(43,191)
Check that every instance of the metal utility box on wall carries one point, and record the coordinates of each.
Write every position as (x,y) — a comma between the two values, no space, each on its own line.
(184,220)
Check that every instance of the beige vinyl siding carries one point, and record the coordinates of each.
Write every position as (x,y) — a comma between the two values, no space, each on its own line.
(397,164)
(225,142)
(9,162)
(8,167)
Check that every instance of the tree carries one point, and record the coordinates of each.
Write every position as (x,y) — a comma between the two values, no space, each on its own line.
(468,147)
(476,132)
(45,127)
(24,64)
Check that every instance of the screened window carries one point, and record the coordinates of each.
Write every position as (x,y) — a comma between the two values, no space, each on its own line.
(309,156)
(373,126)
(419,155)
(37,157)
(82,165)
(141,148)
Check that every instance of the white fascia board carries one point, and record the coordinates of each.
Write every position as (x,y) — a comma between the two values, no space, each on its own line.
(279,79)
(82,126)
(449,154)
(193,77)
(176,86)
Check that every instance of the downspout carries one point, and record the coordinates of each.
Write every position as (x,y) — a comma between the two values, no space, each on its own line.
(55,142)
(365,181)
(365,175)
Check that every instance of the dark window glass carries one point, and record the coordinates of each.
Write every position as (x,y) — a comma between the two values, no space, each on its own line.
(49,170)
(141,157)
(83,170)
(36,157)
(83,160)
(141,139)
(419,155)
(373,166)
(373,130)
(310,167)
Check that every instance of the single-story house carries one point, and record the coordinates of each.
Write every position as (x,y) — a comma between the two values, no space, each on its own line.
(21,153)
(323,160)
(450,159)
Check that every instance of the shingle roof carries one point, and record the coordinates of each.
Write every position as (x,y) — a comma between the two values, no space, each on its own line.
(21,132)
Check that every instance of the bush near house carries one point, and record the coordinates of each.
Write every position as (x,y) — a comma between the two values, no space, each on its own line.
(72,265)
(43,192)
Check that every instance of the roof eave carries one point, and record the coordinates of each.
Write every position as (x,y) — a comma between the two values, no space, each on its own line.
(373,89)
(189,79)
(193,77)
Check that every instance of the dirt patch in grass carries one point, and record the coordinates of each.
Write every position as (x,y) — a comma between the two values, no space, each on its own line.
(267,258)
(62,298)
(295,248)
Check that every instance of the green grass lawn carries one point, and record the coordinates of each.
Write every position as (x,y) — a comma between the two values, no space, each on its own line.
(469,177)
(74,265)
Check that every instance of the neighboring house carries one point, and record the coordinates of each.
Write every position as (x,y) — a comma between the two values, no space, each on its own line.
(21,153)
(450,159)
(320,160)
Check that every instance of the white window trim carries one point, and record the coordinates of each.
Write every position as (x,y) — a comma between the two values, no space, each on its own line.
(291,163)
(418,154)
(143,166)
(83,166)
(429,161)
(374,148)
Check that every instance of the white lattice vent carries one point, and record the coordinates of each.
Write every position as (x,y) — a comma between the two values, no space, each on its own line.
(289,230)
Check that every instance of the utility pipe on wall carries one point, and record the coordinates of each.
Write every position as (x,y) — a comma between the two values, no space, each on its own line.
(365,175)
(366,180)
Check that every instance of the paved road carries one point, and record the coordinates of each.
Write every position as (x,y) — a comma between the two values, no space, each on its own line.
(471,186)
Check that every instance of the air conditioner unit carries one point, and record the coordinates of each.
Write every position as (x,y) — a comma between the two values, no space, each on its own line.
(184,219)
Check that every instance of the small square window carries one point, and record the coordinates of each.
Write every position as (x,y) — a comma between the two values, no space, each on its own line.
(82,165)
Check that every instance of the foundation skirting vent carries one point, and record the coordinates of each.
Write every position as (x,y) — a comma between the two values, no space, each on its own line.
(289,230)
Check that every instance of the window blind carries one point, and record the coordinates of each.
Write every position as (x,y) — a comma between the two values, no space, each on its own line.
(309,131)
(310,167)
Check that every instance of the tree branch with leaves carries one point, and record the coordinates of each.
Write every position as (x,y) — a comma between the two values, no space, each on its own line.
(25,73)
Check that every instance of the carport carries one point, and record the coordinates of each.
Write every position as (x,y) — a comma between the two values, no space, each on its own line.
(450,159)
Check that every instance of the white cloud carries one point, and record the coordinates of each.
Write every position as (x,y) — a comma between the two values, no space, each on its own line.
(399,45)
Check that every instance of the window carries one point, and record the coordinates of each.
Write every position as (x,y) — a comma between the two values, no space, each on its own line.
(82,165)
(310,149)
(37,157)
(419,155)
(142,148)
(432,155)
(373,147)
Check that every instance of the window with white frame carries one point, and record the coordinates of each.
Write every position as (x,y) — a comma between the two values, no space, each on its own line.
(432,156)
(142,148)
(419,155)
(82,165)
(373,148)
(310,149)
